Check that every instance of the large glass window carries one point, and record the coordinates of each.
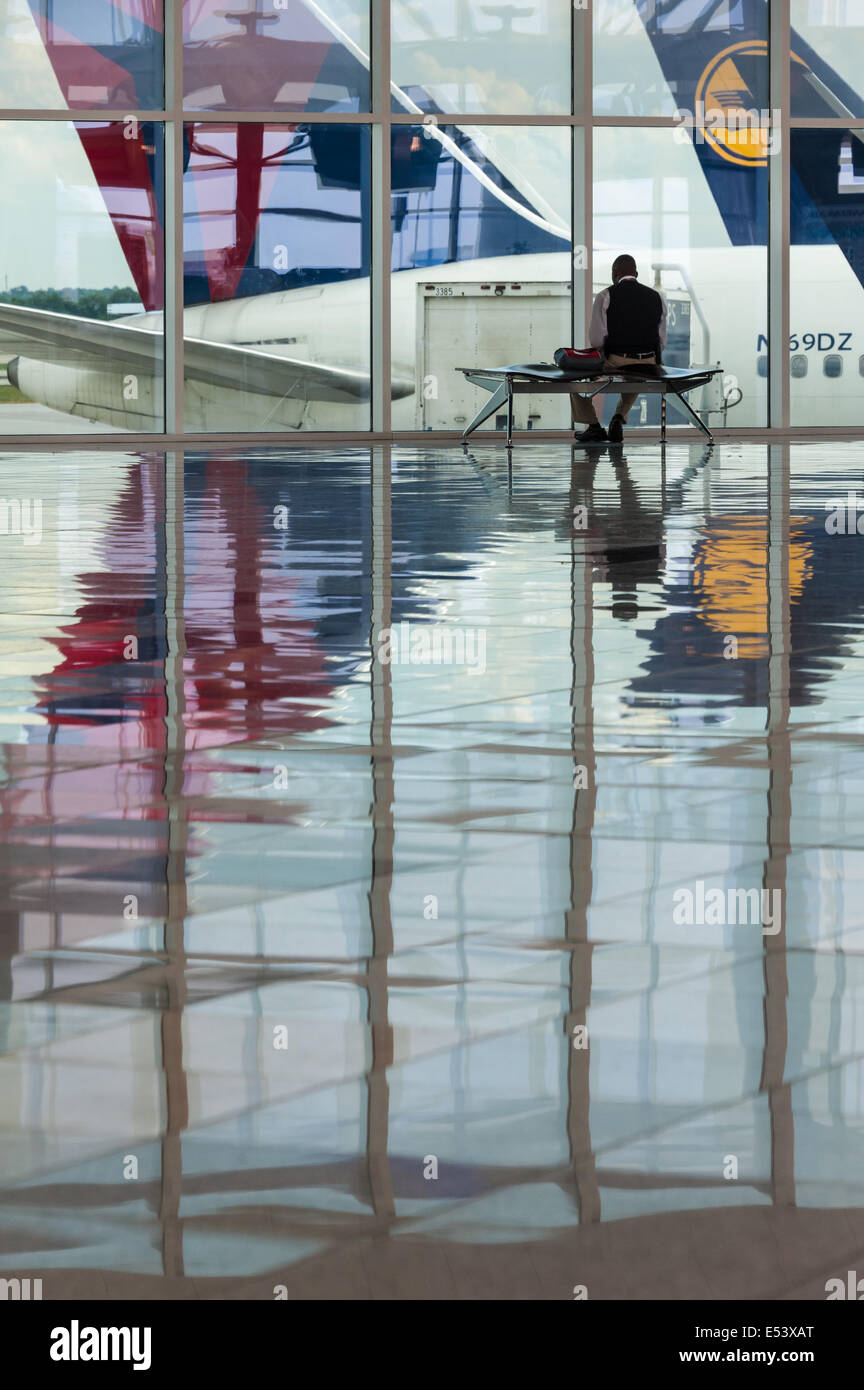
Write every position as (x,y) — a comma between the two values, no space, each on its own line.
(652,59)
(81,53)
(828,44)
(697,228)
(81,253)
(482,267)
(276,277)
(826,261)
(467,55)
(281,208)
(290,55)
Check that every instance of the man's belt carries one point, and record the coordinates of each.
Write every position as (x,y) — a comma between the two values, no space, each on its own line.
(626,352)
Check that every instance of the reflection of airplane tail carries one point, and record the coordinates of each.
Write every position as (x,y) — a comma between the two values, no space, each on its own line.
(723,591)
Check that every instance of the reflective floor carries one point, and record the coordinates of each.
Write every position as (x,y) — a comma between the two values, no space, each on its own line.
(429,878)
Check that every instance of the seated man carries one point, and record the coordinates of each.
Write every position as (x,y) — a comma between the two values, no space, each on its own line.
(629,323)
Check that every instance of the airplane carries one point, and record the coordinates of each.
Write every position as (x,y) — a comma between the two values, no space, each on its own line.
(483,267)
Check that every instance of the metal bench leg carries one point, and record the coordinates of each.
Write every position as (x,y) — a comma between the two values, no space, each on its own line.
(509,413)
(497,399)
(599,390)
(701,423)
(662,417)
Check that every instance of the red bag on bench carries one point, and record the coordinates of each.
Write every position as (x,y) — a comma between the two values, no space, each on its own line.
(577,357)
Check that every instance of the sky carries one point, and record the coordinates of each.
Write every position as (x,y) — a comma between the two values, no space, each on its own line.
(55,230)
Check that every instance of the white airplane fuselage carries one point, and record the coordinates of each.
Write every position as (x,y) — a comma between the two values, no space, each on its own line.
(330,324)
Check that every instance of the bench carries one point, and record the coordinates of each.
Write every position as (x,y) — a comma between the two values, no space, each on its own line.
(542,378)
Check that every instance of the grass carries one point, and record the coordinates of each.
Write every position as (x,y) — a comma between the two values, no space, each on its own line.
(10,395)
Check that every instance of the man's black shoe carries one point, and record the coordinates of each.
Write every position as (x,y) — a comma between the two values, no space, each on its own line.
(595,434)
(616,429)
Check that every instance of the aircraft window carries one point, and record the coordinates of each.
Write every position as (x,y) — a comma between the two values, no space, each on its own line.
(833,364)
(762,364)
(798,364)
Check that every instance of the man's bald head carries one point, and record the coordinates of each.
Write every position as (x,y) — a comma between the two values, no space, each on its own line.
(623,265)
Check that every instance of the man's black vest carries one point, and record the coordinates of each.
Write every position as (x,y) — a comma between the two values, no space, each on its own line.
(632,318)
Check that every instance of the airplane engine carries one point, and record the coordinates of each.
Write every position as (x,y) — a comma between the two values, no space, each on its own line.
(133,401)
(130,401)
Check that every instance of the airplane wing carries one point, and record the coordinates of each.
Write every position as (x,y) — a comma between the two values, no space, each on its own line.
(69,341)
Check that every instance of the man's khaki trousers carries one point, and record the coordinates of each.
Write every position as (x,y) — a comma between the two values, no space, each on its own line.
(583,406)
